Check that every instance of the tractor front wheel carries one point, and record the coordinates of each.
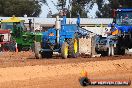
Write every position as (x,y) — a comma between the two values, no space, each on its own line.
(37,45)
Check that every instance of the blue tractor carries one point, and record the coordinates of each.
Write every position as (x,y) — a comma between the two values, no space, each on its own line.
(120,37)
(62,38)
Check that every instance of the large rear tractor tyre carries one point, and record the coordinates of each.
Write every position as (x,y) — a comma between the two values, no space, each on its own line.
(73,47)
(9,47)
(64,50)
(122,51)
(37,49)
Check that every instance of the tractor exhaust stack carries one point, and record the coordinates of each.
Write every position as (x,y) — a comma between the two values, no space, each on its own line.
(58,27)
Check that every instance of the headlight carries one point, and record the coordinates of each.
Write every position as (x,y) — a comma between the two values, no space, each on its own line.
(51,34)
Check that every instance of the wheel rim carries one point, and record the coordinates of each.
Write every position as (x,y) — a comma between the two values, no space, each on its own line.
(66,50)
(75,46)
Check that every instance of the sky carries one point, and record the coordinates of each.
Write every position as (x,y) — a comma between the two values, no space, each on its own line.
(46,9)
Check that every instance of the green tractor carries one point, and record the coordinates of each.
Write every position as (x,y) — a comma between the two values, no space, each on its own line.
(19,33)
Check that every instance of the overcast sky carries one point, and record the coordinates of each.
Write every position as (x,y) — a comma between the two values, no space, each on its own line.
(46,9)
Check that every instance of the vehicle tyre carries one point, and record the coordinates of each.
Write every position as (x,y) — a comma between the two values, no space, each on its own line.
(64,50)
(5,47)
(37,49)
(120,51)
(123,51)
(73,47)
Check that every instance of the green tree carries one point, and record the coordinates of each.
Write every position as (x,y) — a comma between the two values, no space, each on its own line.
(76,6)
(62,3)
(20,7)
(106,9)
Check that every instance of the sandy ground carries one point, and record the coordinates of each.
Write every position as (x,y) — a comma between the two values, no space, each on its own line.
(21,70)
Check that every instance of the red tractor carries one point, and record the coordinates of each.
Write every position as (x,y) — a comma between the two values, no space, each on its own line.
(6,44)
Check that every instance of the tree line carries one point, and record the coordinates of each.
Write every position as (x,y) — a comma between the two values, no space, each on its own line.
(105,7)
(32,8)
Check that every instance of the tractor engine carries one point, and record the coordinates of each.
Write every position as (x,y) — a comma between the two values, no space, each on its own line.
(49,39)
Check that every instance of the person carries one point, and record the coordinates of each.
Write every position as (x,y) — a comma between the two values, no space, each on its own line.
(30,24)
(78,20)
(1,38)
(126,19)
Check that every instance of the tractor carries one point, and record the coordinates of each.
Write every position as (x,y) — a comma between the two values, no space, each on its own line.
(6,44)
(23,38)
(119,39)
(62,38)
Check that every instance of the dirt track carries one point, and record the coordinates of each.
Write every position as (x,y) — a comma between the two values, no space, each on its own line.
(21,70)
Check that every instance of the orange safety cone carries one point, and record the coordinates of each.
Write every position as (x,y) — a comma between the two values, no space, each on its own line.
(84,73)
(84,80)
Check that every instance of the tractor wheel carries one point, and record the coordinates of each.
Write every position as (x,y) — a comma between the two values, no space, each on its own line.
(12,48)
(64,50)
(9,47)
(122,51)
(37,45)
(73,47)
(5,48)
(47,54)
